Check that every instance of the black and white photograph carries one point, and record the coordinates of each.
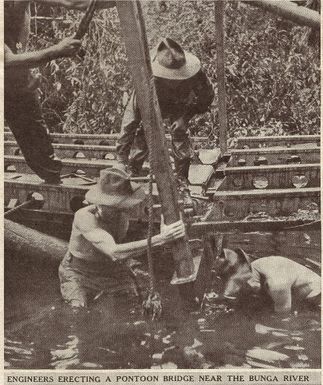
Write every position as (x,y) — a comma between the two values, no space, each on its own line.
(161,191)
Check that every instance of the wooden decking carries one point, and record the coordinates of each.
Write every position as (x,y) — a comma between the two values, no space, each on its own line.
(277,176)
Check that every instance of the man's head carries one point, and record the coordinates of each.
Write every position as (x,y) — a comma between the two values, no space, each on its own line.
(233,267)
(114,191)
(171,62)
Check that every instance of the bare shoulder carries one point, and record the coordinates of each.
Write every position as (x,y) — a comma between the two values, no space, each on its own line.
(274,261)
(280,266)
(273,265)
(85,220)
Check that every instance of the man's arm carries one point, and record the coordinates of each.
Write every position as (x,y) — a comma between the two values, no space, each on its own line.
(78,4)
(204,93)
(281,294)
(105,243)
(65,48)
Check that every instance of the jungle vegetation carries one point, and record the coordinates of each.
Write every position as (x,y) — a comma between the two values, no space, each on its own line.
(272,68)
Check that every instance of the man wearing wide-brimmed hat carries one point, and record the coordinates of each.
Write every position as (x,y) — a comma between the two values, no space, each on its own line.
(183,91)
(93,263)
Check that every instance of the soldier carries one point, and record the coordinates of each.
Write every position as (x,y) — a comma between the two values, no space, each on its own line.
(96,247)
(183,91)
(21,106)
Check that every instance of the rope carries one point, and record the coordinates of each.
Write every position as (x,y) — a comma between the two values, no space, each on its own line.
(152,281)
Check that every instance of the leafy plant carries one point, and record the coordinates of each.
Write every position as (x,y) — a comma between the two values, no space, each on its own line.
(272,73)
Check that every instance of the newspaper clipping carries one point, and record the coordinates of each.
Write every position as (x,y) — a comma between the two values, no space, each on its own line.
(161,192)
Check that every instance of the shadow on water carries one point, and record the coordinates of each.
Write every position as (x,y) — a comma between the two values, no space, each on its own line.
(42,332)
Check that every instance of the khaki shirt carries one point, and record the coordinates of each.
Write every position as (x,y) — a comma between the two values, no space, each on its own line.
(194,96)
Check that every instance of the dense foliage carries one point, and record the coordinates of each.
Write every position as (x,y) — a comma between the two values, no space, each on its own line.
(273,73)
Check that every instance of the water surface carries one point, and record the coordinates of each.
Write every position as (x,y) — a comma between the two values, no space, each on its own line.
(41,332)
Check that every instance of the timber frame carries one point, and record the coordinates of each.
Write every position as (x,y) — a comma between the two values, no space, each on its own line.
(277,176)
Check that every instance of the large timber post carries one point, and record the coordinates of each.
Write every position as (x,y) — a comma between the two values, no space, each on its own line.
(219,6)
(133,28)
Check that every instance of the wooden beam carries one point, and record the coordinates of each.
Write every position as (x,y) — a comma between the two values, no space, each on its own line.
(59,198)
(275,155)
(278,176)
(101,139)
(91,168)
(198,229)
(219,6)
(237,205)
(271,141)
(291,11)
(61,223)
(63,200)
(133,28)
(70,150)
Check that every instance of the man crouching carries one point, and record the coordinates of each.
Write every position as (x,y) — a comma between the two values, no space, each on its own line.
(284,280)
(95,248)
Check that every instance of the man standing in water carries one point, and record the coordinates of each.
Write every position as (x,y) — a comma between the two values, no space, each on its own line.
(95,249)
(183,91)
(21,105)
(283,280)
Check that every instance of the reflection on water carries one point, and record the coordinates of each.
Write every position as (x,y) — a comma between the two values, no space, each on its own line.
(42,332)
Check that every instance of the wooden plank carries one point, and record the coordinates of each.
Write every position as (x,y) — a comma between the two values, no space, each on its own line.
(102,139)
(200,174)
(63,222)
(59,199)
(271,177)
(288,243)
(55,223)
(70,150)
(91,168)
(97,152)
(133,28)
(237,205)
(198,229)
(275,155)
(66,198)
(271,141)
(209,156)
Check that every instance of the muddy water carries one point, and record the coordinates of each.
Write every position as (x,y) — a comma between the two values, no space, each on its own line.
(42,332)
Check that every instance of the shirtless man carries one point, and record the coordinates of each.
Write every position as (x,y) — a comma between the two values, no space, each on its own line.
(96,250)
(283,279)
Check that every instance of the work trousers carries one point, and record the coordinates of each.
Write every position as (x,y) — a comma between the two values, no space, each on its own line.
(132,149)
(23,115)
(83,281)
